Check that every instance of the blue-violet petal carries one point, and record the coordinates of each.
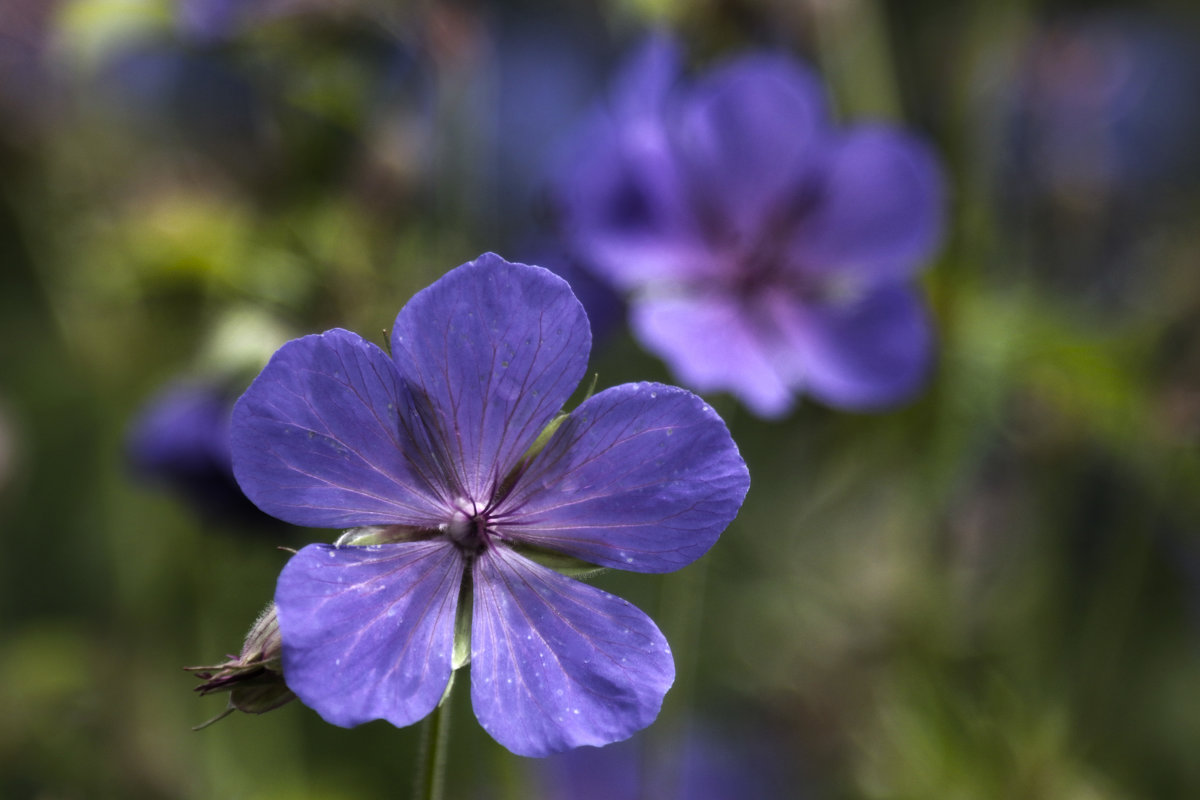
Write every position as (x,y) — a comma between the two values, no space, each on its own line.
(640,477)
(368,632)
(497,351)
(329,436)
(557,664)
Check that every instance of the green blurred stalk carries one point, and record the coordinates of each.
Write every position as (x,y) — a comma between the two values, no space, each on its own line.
(435,739)
(856,58)
(681,609)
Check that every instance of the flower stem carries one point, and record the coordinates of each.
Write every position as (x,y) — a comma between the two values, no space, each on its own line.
(856,58)
(682,608)
(431,764)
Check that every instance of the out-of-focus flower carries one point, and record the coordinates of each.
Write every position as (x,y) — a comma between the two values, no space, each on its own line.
(216,20)
(1102,105)
(453,457)
(698,766)
(766,251)
(210,19)
(181,440)
(1091,133)
(189,97)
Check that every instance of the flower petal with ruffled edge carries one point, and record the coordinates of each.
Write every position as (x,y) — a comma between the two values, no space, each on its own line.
(495,351)
(368,632)
(647,78)
(868,353)
(878,215)
(556,663)
(641,477)
(624,203)
(329,436)
(622,196)
(710,345)
(749,133)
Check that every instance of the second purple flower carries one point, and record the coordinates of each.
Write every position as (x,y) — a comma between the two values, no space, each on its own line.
(765,251)
(452,460)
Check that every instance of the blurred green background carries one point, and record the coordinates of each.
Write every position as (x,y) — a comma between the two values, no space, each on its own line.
(991,593)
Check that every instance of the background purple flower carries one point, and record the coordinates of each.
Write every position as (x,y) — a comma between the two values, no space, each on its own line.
(1090,136)
(698,764)
(180,439)
(434,442)
(766,251)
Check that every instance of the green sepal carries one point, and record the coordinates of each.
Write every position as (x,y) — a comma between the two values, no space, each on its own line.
(460,655)
(380,534)
(559,562)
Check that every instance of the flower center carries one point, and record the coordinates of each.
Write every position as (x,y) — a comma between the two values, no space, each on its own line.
(468,531)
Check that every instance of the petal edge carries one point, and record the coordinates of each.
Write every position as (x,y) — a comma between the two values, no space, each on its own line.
(558,664)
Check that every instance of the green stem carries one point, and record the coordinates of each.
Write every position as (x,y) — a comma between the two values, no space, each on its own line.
(856,58)
(435,736)
(681,606)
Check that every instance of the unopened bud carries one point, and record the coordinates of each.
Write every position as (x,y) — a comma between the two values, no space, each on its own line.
(254,678)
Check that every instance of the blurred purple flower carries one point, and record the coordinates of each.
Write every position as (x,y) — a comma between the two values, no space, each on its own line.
(218,20)
(210,19)
(181,440)
(453,446)
(700,765)
(1090,125)
(1103,105)
(192,99)
(766,252)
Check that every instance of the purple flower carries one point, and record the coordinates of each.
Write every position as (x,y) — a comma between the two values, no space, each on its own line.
(1101,106)
(209,20)
(766,251)
(181,440)
(700,764)
(454,448)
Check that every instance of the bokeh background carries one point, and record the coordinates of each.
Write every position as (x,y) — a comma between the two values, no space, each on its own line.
(991,592)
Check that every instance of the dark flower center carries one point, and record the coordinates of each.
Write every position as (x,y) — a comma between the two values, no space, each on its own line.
(468,531)
(760,259)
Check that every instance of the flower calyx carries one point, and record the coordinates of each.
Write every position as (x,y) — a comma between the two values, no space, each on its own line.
(254,678)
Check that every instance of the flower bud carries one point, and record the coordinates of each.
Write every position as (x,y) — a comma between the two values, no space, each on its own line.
(254,679)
